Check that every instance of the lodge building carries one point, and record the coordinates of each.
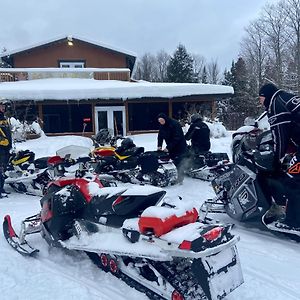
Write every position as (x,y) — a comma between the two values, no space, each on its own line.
(73,85)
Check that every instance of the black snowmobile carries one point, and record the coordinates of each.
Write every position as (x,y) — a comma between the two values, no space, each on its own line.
(31,176)
(241,191)
(129,163)
(24,172)
(206,165)
(156,247)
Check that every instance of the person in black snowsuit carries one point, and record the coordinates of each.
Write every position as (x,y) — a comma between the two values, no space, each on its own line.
(5,145)
(199,134)
(283,110)
(171,132)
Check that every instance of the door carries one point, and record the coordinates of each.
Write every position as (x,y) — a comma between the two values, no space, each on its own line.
(112,118)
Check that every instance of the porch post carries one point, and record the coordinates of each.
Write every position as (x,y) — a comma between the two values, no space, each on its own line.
(94,118)
(213,109)
(127,117)
(170,108)
(40,115)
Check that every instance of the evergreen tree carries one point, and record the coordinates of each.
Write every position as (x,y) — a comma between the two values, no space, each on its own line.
(204,75)
(244,101)
(180,67)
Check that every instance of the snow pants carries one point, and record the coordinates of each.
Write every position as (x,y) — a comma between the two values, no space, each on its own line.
(4,158)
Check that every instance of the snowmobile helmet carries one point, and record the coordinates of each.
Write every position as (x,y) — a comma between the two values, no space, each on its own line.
(127,143)
(195,117)
(267,91)
(103,136)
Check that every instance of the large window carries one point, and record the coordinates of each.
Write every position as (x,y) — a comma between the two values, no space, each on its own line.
(67,118)
(143,116)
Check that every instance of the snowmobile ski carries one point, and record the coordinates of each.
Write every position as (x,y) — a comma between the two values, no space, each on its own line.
(13,239)
(277,225)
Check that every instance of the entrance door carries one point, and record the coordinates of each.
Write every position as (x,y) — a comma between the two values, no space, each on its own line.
(112,118)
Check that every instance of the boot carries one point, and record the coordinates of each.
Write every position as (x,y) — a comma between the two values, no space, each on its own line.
(275,213)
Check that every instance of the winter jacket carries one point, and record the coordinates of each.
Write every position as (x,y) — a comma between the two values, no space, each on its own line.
(284,117)
(171,132)
(199,134)
(5,134)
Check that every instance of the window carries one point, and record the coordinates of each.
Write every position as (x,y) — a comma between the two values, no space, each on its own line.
(71,64)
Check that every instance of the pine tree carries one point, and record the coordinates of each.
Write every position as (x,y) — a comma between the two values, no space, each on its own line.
(204,75)
(180,67)
(244,101)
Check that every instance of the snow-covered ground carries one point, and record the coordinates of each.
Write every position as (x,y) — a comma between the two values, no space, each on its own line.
(271,264)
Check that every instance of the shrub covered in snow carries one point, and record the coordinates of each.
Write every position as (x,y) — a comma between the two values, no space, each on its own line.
(20,130)
(217,129)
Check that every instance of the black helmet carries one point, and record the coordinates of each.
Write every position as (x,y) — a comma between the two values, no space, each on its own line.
(195,117)
(127,143)
(103,136)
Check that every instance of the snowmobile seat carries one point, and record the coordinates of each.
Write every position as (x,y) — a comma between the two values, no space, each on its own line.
(133,151)
(54,160)
(161,220)
(41,163)
(148,163)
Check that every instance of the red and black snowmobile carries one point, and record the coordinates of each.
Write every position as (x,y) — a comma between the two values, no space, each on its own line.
(156,247)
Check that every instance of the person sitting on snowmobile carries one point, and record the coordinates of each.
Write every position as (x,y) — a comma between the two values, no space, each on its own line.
(283,110)
(199,134)
(5,145)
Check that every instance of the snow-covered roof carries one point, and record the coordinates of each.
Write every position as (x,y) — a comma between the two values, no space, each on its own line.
(78,88)
(103,45)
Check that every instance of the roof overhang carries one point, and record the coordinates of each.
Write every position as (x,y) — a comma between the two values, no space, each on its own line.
(79,89)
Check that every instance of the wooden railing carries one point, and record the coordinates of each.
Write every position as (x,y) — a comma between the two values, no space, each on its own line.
(19,74)
(6,77)
(123,76)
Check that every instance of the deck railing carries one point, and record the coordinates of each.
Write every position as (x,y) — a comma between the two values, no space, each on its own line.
(19,74)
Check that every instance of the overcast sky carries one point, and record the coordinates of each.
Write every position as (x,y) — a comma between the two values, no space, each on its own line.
(212,28)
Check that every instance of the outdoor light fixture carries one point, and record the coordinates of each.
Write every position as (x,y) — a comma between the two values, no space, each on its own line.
(70,41)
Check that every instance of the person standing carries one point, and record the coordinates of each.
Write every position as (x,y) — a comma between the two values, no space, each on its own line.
(5,145)
(171,132)
(283,110)
(199,134)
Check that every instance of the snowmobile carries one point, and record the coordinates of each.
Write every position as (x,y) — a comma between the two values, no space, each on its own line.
(157,247)
(129,163)
(23,170)
(206,166)
(30,176)
(239,191)
(251,129)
